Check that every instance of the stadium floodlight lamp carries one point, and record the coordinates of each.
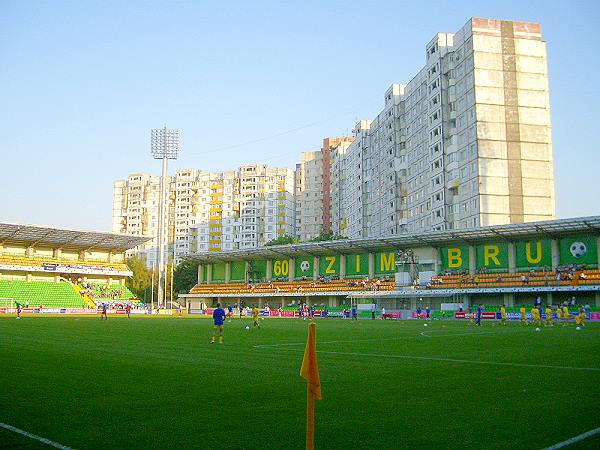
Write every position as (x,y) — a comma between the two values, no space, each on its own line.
(164,143)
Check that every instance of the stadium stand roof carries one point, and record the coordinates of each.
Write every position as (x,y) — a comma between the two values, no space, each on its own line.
(551,229)
(64,238)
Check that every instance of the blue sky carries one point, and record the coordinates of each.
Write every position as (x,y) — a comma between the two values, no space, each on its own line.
(82,83)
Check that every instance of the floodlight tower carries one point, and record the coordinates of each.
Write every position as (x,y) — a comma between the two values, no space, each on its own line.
(164,144)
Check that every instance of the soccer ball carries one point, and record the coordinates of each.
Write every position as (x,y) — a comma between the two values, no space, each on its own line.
(537,329)
(247,328)
(578,328)
(304,266)
(578,249)
(424,324)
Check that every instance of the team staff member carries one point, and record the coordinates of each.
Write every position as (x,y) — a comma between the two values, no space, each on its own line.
(219,320)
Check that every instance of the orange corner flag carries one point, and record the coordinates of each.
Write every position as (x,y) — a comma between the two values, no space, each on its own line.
(310,368)
(310,372)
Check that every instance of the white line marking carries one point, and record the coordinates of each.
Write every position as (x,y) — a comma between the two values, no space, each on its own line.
(389,339)
(453,360)
(574,440)
(33,436)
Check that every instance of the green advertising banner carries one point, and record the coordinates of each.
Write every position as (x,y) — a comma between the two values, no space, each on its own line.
(329,265)
(578,250)
(218,272)
(237,271)
(533,253)
(385,262)
(492,256)
(303,266)
(281,268)
(258,269)
(357,266)
(455,258)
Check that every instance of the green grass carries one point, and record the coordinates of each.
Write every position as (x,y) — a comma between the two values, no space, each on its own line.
(158,383)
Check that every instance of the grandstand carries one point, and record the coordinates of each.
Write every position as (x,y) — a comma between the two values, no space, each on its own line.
(506,264)
(53,266)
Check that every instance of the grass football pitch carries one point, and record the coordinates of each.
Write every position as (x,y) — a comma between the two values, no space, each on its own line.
(158,383)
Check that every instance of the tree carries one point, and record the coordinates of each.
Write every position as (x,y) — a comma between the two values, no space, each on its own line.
(185,276)
(141,280)
(327,236)
(285,239)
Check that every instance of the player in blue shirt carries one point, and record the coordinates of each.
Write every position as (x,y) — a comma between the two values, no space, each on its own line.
(479,314)
(219,320)
(354,313)
(229,312)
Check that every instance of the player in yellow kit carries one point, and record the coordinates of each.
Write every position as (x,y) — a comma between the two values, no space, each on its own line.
(535,316)
(558,314)
(580,318)
(255,316)
(523,312)
(503,314)
(549,316)
(566,315)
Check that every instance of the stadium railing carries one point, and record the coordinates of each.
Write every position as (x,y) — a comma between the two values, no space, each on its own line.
(38,262)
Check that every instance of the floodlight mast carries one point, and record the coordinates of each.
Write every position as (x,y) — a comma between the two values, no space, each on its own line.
(164,144)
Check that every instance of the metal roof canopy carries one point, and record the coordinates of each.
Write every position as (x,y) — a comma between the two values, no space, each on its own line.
(64,238)
(548,229)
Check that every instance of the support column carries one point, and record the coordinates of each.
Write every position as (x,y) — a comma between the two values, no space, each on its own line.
(437,261)
(472,255)
(512,258)
(28,277)
(597,298)
(269,269)
(597,250)
(1,248)
(555,254)
(56,253)
(209,273)
(291,269)
(29,252)
(200,273)
(110,257)
(371,265)
(509,299)
(246,270)
(81,255)
(315,268)
(227,272)
(549,298)
(342,267)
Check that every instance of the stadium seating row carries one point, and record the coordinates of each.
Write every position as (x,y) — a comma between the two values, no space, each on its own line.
(520,279)
(292,287)
(35,293)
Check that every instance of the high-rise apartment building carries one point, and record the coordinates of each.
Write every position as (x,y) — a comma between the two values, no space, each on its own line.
(466,142)
(314,188)
(207,211)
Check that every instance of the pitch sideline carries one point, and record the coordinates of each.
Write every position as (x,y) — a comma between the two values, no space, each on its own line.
(575,439)
(33,436)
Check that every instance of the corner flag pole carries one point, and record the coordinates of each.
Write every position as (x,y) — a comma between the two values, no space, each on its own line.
(310,372)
